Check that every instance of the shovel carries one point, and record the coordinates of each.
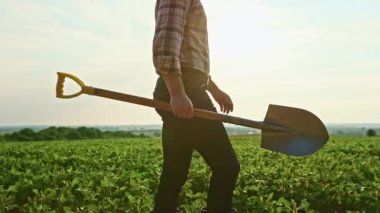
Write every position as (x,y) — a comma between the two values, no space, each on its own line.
(287,130)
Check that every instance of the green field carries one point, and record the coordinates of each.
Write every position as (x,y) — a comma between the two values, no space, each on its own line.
(122,176)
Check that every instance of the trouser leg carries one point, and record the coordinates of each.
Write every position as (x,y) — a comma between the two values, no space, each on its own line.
(210,139)
(177,158)
(215,147)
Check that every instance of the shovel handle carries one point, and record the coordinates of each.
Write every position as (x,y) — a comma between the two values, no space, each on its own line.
(158,104)
(60,86)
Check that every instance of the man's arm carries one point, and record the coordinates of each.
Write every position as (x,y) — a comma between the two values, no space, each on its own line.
(170,22)
(222,98)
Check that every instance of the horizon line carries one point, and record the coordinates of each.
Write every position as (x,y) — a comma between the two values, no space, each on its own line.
(157,124)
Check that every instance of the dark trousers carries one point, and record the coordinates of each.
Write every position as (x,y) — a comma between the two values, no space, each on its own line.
(179,138)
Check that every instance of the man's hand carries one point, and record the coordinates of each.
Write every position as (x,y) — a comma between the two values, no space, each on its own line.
(224,100)
(181,104)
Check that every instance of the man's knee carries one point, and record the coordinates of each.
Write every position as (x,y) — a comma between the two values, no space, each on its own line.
(235,168)
(228,170)
(174,177)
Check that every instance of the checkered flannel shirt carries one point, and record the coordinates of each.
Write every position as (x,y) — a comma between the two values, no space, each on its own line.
(180,39)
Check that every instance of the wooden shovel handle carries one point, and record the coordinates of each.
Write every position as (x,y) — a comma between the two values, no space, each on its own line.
(159,104)
(205,114)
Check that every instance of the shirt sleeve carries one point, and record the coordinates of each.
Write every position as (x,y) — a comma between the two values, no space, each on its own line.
(170,24)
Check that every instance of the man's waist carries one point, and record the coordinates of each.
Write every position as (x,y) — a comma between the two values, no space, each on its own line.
(194,79)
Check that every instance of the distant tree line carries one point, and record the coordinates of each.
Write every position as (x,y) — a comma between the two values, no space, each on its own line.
(66,133)
(371,133)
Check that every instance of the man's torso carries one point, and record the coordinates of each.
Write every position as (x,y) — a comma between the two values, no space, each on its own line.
(194,50)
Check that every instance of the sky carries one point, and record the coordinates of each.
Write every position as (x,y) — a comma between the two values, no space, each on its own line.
(322,56)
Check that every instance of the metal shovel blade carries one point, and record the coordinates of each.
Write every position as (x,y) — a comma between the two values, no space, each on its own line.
(308,136)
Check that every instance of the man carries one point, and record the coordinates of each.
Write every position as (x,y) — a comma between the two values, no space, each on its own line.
(181,59)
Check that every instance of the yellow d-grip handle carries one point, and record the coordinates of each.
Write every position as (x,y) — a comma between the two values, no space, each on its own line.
(60,85)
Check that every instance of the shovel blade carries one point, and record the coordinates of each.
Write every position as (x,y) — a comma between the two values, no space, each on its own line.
(308,134)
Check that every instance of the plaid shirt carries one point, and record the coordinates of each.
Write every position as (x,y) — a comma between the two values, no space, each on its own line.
(180,39)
